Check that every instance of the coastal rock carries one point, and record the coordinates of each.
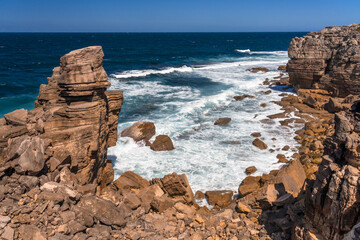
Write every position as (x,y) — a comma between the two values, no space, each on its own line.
(333,197)
(140,131)
(250,170)
(328,59)
(162,143)
(222,121)
(259,144)
(73,114)
(220,198)
(257,69)
(282,68)
(177,186)
(242,97)
(130,180)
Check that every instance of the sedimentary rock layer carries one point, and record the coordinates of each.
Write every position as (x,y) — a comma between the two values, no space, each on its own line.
(73,124)
(328,59)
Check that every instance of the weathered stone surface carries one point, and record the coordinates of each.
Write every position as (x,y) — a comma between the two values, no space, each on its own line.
(220,198)
(177,186)
(130,180)
(250,170)
(162,143)
(140,131)
(103,210)
(333,197)
(17,117)
(222,121)
(30,232)
(328,59)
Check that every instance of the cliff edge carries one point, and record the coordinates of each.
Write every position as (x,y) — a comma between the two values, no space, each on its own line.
(328,59)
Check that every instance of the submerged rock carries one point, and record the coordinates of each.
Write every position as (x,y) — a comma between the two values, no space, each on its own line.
(250,170)
(242,97)
(257,69)
(222,121)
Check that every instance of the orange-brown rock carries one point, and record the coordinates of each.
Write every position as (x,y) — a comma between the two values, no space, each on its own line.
(222,121)
(242,97)
(249,185)
(130,180)
(140,131)
(73,112)
(220,198)
(250,170)
(177,186)
(162,143)
(259,144)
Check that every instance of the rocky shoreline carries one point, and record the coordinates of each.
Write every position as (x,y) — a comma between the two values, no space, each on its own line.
(56,181)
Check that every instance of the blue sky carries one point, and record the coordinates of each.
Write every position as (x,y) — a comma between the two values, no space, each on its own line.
(174,16)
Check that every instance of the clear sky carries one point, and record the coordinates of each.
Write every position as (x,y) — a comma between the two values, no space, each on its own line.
(175,16)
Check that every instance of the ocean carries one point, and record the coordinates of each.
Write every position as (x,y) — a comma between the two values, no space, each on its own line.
(182,82)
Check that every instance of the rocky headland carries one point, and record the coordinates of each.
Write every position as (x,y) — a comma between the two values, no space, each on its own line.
(57,183)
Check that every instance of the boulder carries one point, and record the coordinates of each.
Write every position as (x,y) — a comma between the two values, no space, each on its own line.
(220,198)
(30,232)
(256,134)
(177,186)
(242,97)
(259,144)
(242,208)
(130,180)
(100,209)
(17,117)
(222,121)
(162,143)
(282,68)
(257,69)
(334,106)
(250,170)
(249,185)
(140,131)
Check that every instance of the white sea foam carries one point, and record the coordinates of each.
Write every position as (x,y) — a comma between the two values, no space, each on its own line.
(204,151)
(243,50)
(147,72)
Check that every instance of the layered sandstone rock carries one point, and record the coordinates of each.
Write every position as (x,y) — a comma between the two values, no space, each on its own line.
(73,124)
(333,202)
(328,59)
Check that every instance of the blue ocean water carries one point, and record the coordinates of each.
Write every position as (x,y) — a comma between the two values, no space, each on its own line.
(180,81)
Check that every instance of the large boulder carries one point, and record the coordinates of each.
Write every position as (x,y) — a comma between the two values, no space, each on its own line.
(259,144)
(17,117)
(130,180)
(103,210)
(222,121)
(27,154)
(220,198)
(162,143)
(177,186)
(140,131)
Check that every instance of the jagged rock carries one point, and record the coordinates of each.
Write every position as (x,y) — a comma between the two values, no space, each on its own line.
(140,131)
(17,117)
(27,154)
(334,106)
(259,144)
(249,185)
(242,208)
(130,180)
(328,59)
(177,186)
(30,232)
(101,209)
(222,121)
(242,97)
(250,170)
(162,143)
(282,68)
(220,198)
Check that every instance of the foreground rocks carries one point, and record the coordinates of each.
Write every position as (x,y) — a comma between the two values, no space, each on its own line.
(328,59)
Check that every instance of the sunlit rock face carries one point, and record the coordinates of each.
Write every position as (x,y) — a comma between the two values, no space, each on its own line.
(328,59)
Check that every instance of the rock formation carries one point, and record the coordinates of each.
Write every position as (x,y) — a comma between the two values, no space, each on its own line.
(73,124)
(333,202)
(328,59)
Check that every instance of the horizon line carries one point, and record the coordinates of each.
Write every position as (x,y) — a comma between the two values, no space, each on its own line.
(1,32)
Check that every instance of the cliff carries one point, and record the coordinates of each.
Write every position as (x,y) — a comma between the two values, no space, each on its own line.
(73,124)
(328,59)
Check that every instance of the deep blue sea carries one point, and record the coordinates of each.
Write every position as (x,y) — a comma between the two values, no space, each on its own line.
(182,82)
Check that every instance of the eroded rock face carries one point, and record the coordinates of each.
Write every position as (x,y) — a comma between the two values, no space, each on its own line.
(328,59)
(74,122)
(333,202)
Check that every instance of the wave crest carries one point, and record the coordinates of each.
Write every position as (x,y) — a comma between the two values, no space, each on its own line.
(147,72)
